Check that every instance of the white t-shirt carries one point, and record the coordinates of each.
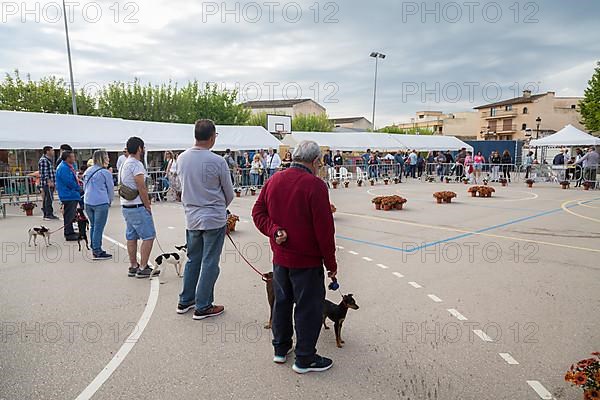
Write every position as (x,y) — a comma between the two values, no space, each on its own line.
(274,161)
(120,161)
(129,170)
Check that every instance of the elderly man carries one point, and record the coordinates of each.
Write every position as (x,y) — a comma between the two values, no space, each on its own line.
(206,192)
(293,210)
(590,162)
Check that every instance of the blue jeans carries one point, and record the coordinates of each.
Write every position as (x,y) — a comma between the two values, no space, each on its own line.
(202,267)
(97,216)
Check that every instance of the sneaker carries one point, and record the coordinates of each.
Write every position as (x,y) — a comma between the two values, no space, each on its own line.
(50,218)
(320,364)
(132,271)
(146,272)
(282,359)
(212,311)
(102,256)
(182,309)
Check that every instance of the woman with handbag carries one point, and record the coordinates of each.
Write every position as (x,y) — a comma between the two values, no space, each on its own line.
(98,194)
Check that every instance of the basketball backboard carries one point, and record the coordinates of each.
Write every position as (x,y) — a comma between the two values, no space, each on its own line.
(279,124)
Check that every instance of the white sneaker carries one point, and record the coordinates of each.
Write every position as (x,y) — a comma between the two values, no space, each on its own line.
(282,359)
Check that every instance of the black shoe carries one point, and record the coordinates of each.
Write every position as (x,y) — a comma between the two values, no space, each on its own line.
(319,364)
(102,256)
(182,309)
(72,238)
(146,272)
(132,271)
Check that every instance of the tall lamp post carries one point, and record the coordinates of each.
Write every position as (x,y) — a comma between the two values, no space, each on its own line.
(73,98)
(538,121)
(376,55)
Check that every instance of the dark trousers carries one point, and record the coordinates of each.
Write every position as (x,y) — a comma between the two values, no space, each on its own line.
(306,288)
(47,201)
(69,213)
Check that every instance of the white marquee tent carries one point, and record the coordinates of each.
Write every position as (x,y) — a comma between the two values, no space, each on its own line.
(26,130)
(568,136)
(360,141)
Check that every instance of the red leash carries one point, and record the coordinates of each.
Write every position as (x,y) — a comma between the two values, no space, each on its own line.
(262,276)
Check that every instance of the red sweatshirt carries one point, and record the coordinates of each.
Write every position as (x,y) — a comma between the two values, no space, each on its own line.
(298,202)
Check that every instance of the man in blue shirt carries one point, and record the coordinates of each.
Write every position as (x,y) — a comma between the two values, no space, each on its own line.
(69,192)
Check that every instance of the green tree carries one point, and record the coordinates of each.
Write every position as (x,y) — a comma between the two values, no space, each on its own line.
(48,95)
(405,131)
(590,105)
(312,123)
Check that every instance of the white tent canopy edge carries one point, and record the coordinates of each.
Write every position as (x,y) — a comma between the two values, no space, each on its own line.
(568,136)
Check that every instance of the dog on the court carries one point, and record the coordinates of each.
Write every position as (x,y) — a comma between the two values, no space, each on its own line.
(337,314)
(268,278)
(175,259)
(39,231)
(82,227)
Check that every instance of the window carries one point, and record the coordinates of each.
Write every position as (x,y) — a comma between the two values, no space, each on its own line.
(524,127)
(525,110)
(573,106)
(493,112)
(508,107)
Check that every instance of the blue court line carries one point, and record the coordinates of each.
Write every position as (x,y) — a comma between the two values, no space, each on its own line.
(464,235)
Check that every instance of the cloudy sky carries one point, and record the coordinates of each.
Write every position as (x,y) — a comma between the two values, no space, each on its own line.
(447,56)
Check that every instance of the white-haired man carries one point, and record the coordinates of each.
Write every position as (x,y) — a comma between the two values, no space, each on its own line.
(293,210)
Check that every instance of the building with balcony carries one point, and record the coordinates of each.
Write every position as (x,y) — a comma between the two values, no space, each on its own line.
(518,118)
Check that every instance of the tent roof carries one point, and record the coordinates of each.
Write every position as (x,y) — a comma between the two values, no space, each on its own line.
(568,136)
(26,130)
(348,141)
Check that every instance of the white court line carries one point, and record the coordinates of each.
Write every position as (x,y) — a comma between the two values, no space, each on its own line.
(367,259)
(126,347)
(482,335)
(415,285)
(382,266)
(508,358)
(540,390)
(398,274)
(340,247)
(434,298)
(353,252)
(170,227)
(458,315)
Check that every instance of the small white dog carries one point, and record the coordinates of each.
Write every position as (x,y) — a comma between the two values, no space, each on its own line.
(39,231)
(175,259)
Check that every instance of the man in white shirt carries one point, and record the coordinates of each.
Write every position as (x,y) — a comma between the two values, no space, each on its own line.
(122,159)
(273,161)
(137,212)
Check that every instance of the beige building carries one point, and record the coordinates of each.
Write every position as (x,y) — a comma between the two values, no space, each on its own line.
(516,119)
(291,107)
(464,125)
(352,123)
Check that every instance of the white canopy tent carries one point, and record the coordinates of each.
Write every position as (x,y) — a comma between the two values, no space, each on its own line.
(360,141)
(568,136)
(26,130)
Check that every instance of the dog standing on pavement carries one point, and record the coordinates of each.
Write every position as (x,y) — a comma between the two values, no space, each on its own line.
(39,231)
(337,313)
(82,227)
(175,259)
(268,278)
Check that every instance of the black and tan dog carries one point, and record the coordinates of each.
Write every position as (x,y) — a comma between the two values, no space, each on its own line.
(39,231)
(337,313)
(268,278)
(82,227)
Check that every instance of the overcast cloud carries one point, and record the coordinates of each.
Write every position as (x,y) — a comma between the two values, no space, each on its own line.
(447,56)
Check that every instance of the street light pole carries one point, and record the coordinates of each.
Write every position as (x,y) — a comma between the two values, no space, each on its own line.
(376,56)
(537,134)
(73,97)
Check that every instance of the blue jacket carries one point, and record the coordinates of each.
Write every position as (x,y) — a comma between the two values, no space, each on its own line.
(66,183)
(98,185)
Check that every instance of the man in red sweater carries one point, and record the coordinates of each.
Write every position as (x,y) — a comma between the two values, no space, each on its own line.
(293,211)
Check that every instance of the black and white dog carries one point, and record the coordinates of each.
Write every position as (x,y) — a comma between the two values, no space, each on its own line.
(175,259)
(39,231)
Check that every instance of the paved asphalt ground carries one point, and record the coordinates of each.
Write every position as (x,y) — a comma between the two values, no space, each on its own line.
(478,299)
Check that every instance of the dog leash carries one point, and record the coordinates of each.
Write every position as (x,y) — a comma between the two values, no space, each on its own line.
(262,276)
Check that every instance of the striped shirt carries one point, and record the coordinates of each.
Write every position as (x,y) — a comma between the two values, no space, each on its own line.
(47,172)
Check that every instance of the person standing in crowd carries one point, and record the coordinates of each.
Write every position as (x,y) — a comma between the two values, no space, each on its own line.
(245,163)
(122,159)
(63,148)
(440,160)
(328,159)
(468,164)
(47,182)
(137,212)
(98,194)
(528,163)
(256,170)
(287,160)
(449,163)
(302,238)
(273,162)
(478,162)
(366,157)
(590,162)
(506,162)
(413,161)
(495,160)
(430,162)
(420,165)
(231,164)
(338,161)
(373,166)
(399,164)
(579,168)
(69,192)
(172,178)
(206,196)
